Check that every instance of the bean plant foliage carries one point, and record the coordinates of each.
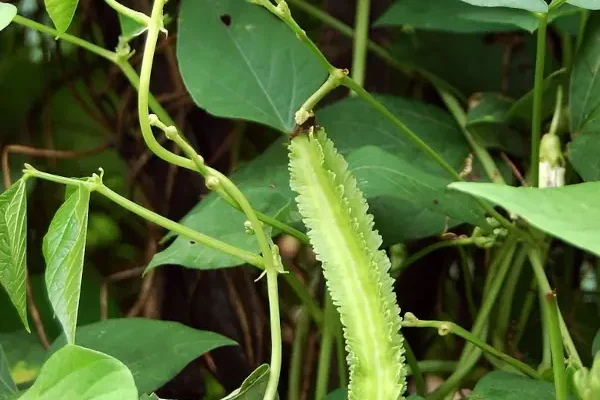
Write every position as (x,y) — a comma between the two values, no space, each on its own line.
(397,200)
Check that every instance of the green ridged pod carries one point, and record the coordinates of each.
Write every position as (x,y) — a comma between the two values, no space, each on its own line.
(357,272)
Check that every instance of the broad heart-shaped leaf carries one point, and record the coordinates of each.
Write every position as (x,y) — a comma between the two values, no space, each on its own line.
(253,67)
(61,13)
(472,62)
(154,351)
(397,185)
(13,246)
(529,5)
(253,387)
(585,81)
(570,213)
(506,386)
(64,249)
(584,150)
(456,16)
(589,4)
(77,373)
(7,385)
(351,124)
(7,13)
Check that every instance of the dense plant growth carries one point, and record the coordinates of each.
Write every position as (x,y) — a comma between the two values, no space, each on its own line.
(477,162)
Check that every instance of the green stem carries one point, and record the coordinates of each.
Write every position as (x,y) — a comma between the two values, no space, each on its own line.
(436,366)
(154,26)
(583,20)
(557,117)
(506,301)
(359,58)
(525,313)
(484,157)
(535,259)
(558,358)
(470,354)
(380,51)
(295,374)
(436,246)
(109,55)
(166,223)
(275,323)
(446,327)
(327,337)
(270,255)
(431,153)
(333,80)
(305,297)
(466,272)
(424,147)
(137,16)
(415,370)
(538,96)
(155,218)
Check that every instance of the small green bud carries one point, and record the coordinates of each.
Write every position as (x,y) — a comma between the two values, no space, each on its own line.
(212,182)
(302,115)
(500,232)
(248,228)
(484,242)
(171,132)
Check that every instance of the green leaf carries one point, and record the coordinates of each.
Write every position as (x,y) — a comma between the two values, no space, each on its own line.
(529,5)
(410,191)
(64,248)
(77,373)
(506,386)
(596,344)
(265,181)
(7,385)
(339,394)
(130,27)
(13,246)
(89,306)
(472,62)
(7,13)
(585,81)
(589,4)
(253,387)
(488,123)
(154,351)
(522,108)
(25,355)
(253,67)
(584,149)
(61,13)
(456,16)
(570,213)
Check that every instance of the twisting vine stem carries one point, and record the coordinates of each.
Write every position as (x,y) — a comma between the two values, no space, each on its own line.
(215,181)
(361,38)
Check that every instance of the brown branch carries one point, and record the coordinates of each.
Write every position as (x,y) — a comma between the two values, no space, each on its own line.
(45,153)
(35,316)
(514,169)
